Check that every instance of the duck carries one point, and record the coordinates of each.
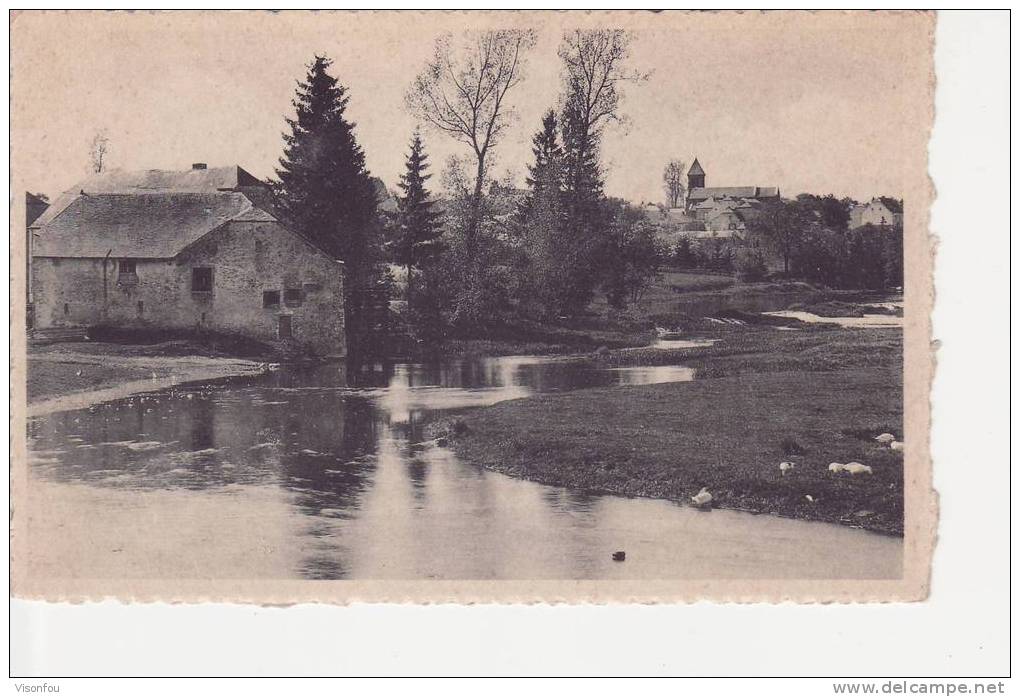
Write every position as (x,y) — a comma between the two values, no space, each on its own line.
(785,467)
(897,446)
(857,468)
(836,466)
(702,498)
(885,438)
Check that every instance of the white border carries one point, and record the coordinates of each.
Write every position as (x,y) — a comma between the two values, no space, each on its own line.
(961,630)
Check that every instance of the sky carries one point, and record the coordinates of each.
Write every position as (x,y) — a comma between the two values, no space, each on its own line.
(809,102)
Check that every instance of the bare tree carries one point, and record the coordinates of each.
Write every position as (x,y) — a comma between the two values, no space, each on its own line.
(97,151)
(594,61)
(673,182)
(463,92)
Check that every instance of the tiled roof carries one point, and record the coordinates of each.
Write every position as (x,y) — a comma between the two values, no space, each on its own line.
(756,192)
(141,225)
(695,168)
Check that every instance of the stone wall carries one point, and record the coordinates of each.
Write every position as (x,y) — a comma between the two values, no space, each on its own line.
(246,258)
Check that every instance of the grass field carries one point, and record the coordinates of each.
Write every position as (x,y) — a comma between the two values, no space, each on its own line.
(762,397)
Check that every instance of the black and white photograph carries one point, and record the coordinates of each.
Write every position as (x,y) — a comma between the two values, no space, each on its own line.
(473,298)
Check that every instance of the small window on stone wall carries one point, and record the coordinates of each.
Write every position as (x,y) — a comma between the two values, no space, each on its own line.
(67,309)
(292,297)
(126,266)
(201,280)
(270,298)
(141,308)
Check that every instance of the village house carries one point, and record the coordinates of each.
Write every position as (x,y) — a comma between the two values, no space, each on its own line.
(878,211)
(194,250)
(698,194)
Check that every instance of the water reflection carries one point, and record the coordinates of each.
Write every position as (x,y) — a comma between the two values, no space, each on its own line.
(323,471)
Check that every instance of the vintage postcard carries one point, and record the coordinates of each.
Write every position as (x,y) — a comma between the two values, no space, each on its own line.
(426,307)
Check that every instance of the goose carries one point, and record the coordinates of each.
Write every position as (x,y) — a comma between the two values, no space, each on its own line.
(810,498)
(785,467)
(702,498)
(857,468)
(836,467)
(897,446)
(885,438)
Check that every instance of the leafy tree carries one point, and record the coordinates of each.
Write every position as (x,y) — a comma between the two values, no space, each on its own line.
(419,231)
(325,192)
(634,253)
(685,255)
(462,92)
(780,226)
(673,182)
(828,210)
(594,71)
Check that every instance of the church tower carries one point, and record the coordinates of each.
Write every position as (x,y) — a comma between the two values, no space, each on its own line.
(695,176)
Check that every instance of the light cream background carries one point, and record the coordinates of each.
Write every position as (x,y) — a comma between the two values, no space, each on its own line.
(775,111)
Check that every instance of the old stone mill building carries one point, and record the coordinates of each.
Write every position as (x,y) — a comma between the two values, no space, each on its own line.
(185,250)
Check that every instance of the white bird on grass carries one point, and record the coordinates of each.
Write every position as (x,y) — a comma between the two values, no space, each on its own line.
(785,467)
(885,438)
(897,446)
(810,498)
(857,468)
(836,467)
(702,498)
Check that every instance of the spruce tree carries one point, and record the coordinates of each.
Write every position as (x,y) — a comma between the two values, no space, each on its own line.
(323,188)
(324,191)
(418,245)
(547,169)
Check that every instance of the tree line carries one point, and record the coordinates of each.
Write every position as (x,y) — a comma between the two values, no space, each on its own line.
(479,251)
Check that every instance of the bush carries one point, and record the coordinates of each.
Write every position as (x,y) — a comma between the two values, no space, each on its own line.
(751,266)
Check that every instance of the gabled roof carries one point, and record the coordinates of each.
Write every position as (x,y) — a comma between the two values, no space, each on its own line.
(118,181)
(695,168)
(140,225)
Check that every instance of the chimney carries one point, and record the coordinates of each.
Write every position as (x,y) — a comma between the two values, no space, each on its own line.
(199,165)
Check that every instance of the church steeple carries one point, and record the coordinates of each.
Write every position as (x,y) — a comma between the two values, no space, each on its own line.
(695,176)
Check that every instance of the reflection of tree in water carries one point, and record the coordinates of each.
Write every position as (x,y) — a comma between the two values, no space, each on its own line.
(202,417)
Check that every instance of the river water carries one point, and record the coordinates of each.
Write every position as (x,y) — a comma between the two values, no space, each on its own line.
(321,472)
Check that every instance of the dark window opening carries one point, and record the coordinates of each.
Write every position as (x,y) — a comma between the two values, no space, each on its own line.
(293,297)
(141,308)
(66,309)
(284,330)
(203,317)
(201,280)
(270,298)
(312,287)
(126,266)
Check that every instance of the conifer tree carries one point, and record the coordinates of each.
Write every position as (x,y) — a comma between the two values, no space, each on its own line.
(325,192)
(547,169)
(323,188)
(418,245)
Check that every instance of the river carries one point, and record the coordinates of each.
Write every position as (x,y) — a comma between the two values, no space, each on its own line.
(320,472)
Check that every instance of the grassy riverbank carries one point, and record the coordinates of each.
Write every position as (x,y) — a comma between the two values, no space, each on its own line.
(73,375)
(763,396)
